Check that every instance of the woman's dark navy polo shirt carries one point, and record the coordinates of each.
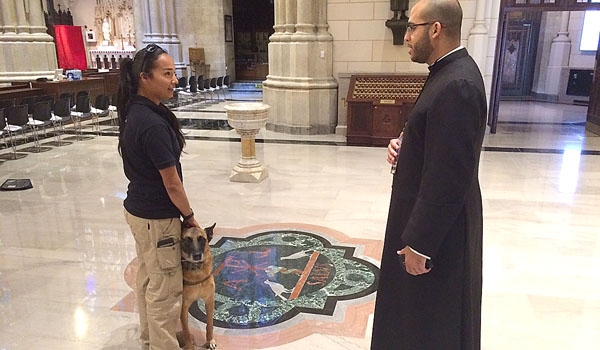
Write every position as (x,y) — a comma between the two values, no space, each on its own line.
(149,144)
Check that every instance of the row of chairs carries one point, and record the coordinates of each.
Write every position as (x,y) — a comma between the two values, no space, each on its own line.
(16,119)
(189,90)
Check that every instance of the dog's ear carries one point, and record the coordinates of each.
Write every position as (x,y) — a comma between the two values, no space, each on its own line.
(209,231)
(183,230)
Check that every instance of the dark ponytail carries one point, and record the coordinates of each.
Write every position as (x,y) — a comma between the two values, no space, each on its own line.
(128,85)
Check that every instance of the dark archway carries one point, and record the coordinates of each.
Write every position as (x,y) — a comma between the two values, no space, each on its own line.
(508,6)
(253,21)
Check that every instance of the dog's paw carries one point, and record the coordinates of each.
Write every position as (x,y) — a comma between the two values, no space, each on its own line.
(212,345)
(180,339)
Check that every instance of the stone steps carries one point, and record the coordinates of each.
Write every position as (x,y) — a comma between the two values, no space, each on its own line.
(246,86)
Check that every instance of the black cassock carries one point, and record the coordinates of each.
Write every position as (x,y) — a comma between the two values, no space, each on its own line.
(436,209)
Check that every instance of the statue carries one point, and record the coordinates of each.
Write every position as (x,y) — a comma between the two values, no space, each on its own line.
(399,6)
(106,29)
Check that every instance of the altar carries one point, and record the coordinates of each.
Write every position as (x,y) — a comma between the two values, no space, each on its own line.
(116,41)
(106,57)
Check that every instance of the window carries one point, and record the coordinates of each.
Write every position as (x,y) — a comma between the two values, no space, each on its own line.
(590,31)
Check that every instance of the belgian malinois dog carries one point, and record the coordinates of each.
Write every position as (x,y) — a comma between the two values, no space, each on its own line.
(198,282)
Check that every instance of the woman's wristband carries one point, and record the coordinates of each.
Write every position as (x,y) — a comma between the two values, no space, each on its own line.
(187,217)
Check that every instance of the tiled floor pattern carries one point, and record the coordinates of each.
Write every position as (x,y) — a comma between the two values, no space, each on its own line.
(66,253)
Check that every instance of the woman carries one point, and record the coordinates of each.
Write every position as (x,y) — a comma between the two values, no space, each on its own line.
(150,143)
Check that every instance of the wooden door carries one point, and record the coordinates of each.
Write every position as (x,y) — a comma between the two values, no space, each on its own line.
(520,48)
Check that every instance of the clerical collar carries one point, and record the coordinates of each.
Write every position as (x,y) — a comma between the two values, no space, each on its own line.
(446,55)
(447,58)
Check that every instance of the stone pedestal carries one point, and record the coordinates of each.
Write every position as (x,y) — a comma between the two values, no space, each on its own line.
(247,118)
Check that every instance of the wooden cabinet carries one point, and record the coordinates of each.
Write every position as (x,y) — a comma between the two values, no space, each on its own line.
(257,72)
(378,106)
(111,80)
(388,121)
(94,85)
(18,92)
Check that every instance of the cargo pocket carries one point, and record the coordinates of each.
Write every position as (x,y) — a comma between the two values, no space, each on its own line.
(168,247)
(168,252)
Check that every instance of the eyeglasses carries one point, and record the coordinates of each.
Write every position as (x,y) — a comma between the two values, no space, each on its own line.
(149,50)
(412,26)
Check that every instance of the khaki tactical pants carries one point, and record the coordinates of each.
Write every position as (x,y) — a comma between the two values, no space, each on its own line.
(159,280)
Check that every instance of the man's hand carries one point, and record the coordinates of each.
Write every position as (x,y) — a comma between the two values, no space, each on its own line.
(393,149)
(414,263)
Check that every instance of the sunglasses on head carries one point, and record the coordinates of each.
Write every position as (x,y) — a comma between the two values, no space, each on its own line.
(149,50)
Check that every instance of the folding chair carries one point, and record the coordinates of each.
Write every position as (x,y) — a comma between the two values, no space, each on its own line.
(61,114)
(40,118)
(16,121)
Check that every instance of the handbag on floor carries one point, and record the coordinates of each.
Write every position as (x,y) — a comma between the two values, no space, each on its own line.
(16,184)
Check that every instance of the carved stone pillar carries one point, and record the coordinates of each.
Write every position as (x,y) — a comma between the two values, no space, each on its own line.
(22,23)
(9,17)
(290,18)
(279,24)
(172,24)
(300,87)
(158,27)
(23,34)
(322,26)
(478,36)
(307,23)
(36,18)
(155,30)
(560,49)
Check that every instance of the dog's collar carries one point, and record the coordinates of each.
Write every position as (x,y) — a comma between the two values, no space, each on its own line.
(188,265)
(193,283)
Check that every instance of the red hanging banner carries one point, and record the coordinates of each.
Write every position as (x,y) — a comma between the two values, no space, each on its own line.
(70,47)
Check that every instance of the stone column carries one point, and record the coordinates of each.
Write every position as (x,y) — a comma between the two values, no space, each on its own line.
(172,25)
(305,28)
(279,24)
(164,9)
(290,18)
(23,34)
(154,27)
(36,17)
(322,26)
(22,23)
(300,87)
(477,42)
(159,28)
(560,49)
(9,16)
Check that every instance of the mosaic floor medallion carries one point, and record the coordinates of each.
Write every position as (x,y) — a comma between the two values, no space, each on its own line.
(274,278)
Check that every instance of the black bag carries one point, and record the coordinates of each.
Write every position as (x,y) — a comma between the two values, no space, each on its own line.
(16,185)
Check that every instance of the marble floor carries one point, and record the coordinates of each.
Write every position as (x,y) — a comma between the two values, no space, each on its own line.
(66,254)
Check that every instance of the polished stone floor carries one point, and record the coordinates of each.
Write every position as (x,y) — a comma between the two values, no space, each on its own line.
(66,253)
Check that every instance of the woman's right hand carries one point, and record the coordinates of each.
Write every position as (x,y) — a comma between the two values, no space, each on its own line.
(191,222)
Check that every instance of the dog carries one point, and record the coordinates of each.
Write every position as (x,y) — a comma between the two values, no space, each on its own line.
(198,282)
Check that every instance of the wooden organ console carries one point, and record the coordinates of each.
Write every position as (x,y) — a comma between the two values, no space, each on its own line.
(378,106)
